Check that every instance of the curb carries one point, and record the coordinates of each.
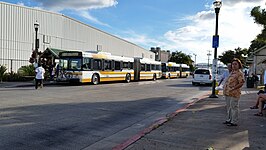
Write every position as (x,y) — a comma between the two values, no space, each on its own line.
(25,85)
(156,124)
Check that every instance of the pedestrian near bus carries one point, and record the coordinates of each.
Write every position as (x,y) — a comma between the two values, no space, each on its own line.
(39,76)
(232,92)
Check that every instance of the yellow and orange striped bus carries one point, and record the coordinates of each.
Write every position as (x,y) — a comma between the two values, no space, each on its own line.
(96,67)
(170,70)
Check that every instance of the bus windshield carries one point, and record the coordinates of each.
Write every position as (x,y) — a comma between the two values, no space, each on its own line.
(70,63)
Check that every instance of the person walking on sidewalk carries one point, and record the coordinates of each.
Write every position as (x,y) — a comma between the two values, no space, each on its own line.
(232,92)
(39,76)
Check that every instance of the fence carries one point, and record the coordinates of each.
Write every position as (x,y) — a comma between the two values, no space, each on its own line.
(13,64)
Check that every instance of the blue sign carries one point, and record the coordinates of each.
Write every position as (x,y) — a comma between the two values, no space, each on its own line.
(215,41)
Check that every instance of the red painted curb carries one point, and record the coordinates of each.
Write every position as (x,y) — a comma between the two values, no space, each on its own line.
(155,125)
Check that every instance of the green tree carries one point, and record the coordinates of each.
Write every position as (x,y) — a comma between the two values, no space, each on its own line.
(228,56)
(259,16)
(181,58)
(2,72)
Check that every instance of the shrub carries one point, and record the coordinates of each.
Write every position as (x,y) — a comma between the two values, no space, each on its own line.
(2,72)
(26,70)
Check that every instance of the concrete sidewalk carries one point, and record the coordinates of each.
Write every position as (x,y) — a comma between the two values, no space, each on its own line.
(200,127)
(23,84)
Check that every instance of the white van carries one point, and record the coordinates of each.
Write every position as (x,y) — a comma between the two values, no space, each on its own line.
(202,76)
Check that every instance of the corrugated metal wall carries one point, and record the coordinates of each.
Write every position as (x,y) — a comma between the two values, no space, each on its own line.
(57,31)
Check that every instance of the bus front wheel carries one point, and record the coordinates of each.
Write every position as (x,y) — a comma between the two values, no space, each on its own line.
(95,79)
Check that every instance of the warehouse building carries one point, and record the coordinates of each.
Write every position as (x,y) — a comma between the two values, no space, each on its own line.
(56,31)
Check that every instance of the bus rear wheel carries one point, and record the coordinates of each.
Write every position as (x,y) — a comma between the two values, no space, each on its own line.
(128,78)
(95,79)
(154,77)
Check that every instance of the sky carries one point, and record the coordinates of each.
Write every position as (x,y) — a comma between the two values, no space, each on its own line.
(175,25)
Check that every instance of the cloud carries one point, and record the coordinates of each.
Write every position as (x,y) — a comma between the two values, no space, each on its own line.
(236,29)
(79,7)
(141,39)
(21,4)
(234,2)
(76,4)
(86,14)
(203,15)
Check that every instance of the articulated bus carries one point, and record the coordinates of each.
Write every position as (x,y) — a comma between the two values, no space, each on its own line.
(185,71)
(96,67)
(170,70)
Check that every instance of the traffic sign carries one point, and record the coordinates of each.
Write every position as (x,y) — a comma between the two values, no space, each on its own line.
(215,41)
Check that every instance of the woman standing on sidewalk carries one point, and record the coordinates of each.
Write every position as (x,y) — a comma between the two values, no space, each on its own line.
(232,92)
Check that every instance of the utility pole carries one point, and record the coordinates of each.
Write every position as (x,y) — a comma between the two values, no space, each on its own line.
(195,58)
(209,54)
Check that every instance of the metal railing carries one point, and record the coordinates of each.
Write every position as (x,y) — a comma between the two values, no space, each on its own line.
(13,65)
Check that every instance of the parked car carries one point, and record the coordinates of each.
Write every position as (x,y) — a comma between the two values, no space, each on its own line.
(202,76)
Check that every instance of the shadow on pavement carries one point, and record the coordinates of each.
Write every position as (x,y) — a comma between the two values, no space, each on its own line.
(73,125)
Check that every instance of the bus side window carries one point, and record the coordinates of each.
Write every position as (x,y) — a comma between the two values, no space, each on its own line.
(142,67)
(158,67)
(153,67)
(121,65)
(148,67)
(97,64)
(113,65)
(117,65)
(86,64)
(125,65)
(131,65)
(107,65)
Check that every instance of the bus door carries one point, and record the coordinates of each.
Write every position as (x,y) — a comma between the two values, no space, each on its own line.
(136,69)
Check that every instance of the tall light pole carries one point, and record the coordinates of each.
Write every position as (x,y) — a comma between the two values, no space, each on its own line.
(195,58)
(215,43)
(36,27)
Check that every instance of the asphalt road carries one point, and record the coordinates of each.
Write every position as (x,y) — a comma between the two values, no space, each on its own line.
(87,116)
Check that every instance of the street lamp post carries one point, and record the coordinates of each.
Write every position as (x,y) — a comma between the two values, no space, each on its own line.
(217,5)
(36,27)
